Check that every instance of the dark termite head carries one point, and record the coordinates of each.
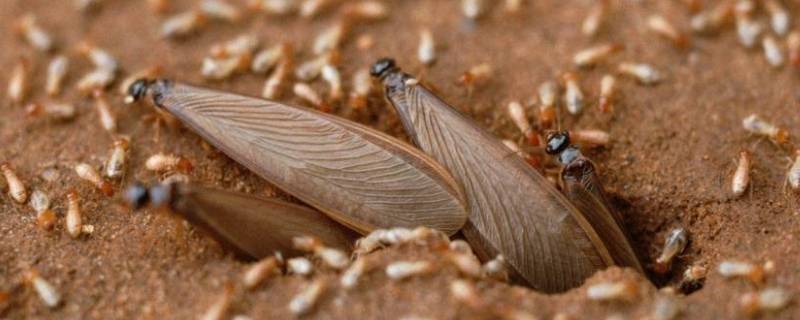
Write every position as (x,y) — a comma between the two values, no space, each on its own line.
(141,88)
(557,142)
(383,67)
(137,90)
(138,195)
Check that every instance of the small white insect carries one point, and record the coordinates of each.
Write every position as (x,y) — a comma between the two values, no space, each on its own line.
(758,126)
(573,96)
(104,113)
(467,264)
(426,52)
(350,276)
(513,6)
(55,111)
(734,269)
(39,201)
(100,58)
(272,86)
(710,21)
(362,86)
(473,9)
(307,93)
(405,269)
(659,25)
(384,237)
(331,75)
(167,162)
(88,173)
(242,45)
(674,244)
(18,85)
(779,16)
(56,72)
(16,189)
(465,292)
(34,34)
(182,24)
(747,30)
(607,92)
(644,73)
(73,218)
(765,300)
(594,55)
(267,59)
(275,7)
(667,307)
(593,21)
(517,114)
(220,68)
(311,69)
(610,291)
(46,291)
(329,39)
(591,137)
(219,9)
(304,301)
(98,79)
(496,268)
(310,8)
(772,51)
(300,266)
(220,307)
(115,166)
(793,177)
(367,10)
(741,177)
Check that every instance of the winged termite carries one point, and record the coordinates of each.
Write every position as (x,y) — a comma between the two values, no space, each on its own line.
(360,177)
(250,226)
(514,211)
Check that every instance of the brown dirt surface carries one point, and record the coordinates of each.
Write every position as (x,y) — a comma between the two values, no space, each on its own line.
(670,164)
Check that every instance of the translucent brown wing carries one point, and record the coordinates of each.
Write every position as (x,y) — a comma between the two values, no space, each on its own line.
(583,189)
(256,227)
(359,176)
(513,210)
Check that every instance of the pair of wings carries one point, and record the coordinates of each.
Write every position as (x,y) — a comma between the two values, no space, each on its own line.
(514,211)
(358,176)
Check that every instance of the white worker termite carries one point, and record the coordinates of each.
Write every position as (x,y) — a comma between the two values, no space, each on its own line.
(793,176)
(466,263)
(55,111)
(512,6)
(219,9)
(693,278)
(332,257)
(98,79)
(330,38)
(34,34)
(100,58)
(404,269)
(300,266)
(310,8)
(594,55)
(778,15)
(518,115)
(274,7)
(16,189)
(362,85)
(624,290)
(46,291)
(465,292)
(758,126)
(475,75)
(733,269)
(220,68)
(104,113)
(307,93)
(18,84)
(667,307)
(765,300)
(273,85)
(115,166)
(258,272)
(772,51)
(573,96)
(547,99)
(643,73)
(712,20)
(674,244)
(305,300)
(747,29)
(426,52)
(496,268)
(590,137)
(364,11)
(161,162)
(73,220)
(267,59)
(311,69)
(220,307)
(594,20)
(473,9)
(88,173)
(607,93)
(350,276)
(182,24)
(659,25)
(56,72)
(331,75)
(741,177)
(45,217)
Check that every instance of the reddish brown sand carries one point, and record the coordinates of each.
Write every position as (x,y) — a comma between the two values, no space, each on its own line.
(673,153)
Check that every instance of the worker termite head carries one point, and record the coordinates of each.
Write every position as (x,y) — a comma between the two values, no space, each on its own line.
(693,278)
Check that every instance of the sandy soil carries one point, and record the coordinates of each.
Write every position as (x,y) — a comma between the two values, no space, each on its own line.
(673,153)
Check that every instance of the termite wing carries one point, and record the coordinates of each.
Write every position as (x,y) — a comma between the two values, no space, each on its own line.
(548,243)
(358,176)
(249,226)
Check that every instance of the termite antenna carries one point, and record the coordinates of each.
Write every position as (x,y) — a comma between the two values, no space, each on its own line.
(383,67)
(557,142)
